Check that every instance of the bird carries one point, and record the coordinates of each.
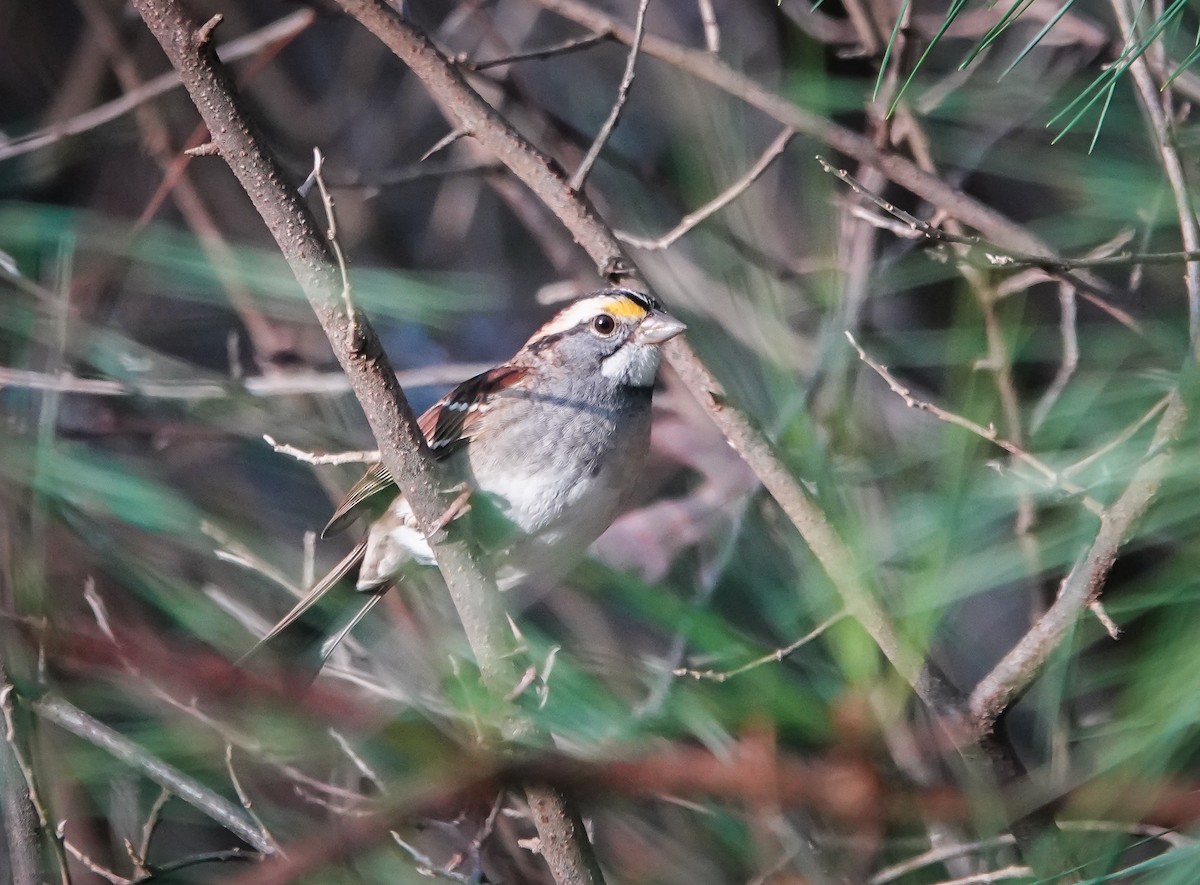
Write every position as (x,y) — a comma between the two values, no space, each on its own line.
(552,441)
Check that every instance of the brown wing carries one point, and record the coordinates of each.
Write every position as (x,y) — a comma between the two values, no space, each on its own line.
(447,425)
(453,420)
(374,481)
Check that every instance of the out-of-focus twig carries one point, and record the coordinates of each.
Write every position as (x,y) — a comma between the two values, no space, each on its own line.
(1156,104)
(1053,477)
(235,50)
(775,656)
(72,719)
(717,203)
(292,384)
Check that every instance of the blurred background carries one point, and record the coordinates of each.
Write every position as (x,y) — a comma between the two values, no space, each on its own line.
(151,335)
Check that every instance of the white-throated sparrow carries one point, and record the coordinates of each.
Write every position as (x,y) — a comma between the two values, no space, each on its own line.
(554,439)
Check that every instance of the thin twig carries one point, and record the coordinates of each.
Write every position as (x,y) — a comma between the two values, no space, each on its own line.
(152,818)
(1012,871)
(937,855)
(1068,331)
(291,384)
(717,203)
(1096,607)
(283,29)
(331,233)
(444,142)
(614,114)
(24,770)
(104,873)
(358,761)
(712,31)
(575,44)
(425,864)
(244,798)
(403,446)
(1122,437)
(1054,478)
(775,656)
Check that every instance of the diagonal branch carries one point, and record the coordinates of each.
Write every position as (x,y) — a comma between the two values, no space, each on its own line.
(717,203)
(402,445)
(465,108)
(1084,583)
(220,809)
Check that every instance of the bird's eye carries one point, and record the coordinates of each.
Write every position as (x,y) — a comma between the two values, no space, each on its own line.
(603,324)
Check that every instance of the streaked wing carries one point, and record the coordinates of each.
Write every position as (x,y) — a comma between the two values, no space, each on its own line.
(372,483)
(447,425)
(454,419)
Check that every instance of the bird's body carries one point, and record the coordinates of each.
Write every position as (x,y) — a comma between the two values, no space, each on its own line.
(552,440)
(557,470)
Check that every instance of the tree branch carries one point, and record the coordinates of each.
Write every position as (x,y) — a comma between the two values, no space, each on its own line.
(466,109)
(1084,582)
(402,445)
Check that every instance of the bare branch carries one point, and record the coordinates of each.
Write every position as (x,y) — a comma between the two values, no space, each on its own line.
(566,46)
(614,115)
(191,791)
(371,457)
(1084,583)
(717,203)
(776,656)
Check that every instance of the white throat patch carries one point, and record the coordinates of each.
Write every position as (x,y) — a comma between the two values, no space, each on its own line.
(633,364)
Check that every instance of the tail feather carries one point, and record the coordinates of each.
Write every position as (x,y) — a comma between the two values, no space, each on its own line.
(312,597)
(328,646)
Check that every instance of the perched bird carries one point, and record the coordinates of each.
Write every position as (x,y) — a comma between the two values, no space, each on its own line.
(553,440)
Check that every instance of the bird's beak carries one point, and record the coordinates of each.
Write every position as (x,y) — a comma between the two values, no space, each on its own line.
(657,327)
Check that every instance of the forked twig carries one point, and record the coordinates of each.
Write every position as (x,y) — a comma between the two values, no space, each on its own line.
(1053,477)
